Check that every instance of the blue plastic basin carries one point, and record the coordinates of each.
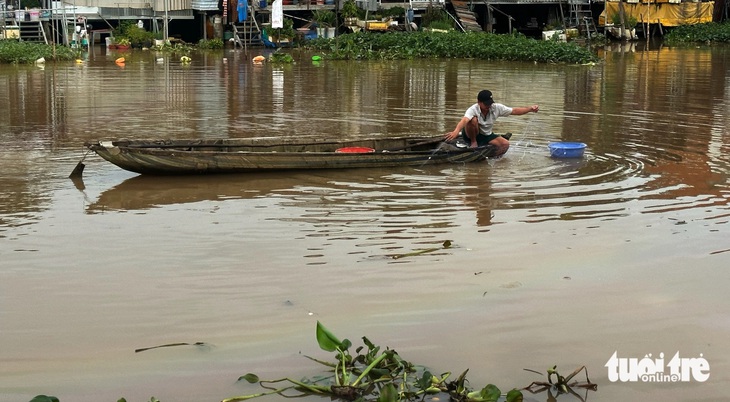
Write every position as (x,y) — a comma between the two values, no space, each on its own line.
(567,149)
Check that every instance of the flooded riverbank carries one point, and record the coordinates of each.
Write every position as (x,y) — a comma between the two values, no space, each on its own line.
(553,261)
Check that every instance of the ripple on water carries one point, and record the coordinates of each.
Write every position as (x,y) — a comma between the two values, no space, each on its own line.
(649,171)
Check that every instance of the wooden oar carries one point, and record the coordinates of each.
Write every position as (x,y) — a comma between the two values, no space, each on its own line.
(79,169)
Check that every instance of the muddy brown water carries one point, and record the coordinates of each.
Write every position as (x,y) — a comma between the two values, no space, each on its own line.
(553,261)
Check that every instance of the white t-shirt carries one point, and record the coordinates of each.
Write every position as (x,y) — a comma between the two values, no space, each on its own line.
(486,122)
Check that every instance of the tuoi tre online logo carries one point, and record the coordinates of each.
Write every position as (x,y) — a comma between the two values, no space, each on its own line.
(678,369)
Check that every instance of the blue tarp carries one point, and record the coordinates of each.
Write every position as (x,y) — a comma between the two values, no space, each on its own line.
(242,10)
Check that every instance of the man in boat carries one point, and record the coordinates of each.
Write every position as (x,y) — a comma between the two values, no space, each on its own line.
(476,126)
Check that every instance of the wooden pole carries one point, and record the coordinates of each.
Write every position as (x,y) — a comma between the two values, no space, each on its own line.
(647,32)
(490,28)
(622,19)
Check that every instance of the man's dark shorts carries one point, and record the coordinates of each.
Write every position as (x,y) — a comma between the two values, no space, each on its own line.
(482,139)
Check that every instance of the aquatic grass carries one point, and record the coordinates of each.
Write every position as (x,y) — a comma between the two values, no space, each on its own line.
(16,52)
(471,45)
(713,32)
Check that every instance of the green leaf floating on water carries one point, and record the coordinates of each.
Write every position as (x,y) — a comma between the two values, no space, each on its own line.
(514,396)
(44,398)
(388,394)
(250,377)
(327,341)
(490,393)
(425,381)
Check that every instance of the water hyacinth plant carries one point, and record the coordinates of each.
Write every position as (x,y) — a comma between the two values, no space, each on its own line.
(470,45)
(16,52)
(372,374)
(211,44)
(711,32)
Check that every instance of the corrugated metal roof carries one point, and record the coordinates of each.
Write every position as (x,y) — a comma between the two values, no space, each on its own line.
(157,5)
(206,5)
(172,5)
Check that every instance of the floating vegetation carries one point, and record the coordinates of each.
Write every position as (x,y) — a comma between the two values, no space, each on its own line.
(445,245)
(474,45)
(211,44)
(44,398)
(372,374)
(562,385)
(174,48)
(170,345)
(712,32)
(16,52)
(379,375)
(280,57)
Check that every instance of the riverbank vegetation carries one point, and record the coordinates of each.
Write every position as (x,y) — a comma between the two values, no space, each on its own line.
(712,32)
(398,45)
(15,52)
(472,45)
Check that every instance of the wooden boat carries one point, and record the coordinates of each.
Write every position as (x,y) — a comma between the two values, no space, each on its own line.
(203,156)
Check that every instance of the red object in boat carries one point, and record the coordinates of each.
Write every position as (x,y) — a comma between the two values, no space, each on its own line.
(355,150)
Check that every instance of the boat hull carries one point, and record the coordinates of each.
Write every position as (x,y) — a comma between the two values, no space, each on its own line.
(179,157)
